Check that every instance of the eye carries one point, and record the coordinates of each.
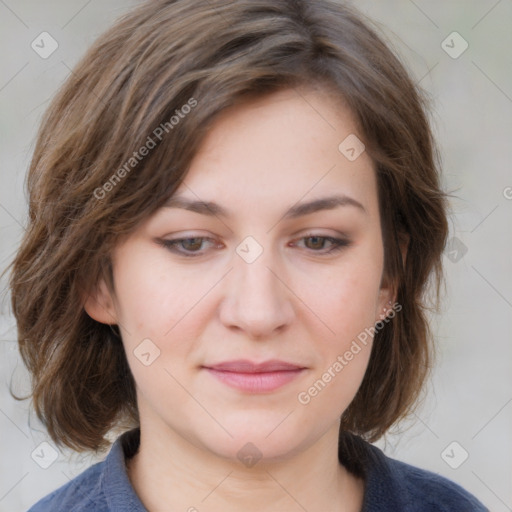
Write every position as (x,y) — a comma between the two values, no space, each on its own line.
(189,247)
(317,242)
(194,246)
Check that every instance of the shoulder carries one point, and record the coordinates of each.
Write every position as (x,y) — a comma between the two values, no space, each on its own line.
(103,487)
(82,493)
(436,492)
(392,485)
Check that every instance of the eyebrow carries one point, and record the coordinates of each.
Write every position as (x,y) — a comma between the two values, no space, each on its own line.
(211,208)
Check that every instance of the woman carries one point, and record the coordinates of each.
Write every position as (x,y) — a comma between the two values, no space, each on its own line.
(235,213)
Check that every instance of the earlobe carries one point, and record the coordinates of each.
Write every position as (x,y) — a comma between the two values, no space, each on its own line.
(385,304)
(388,290)
(98,304)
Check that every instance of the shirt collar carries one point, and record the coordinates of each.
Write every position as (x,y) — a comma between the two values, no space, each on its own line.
(115,484)
(383,487)
(359,456)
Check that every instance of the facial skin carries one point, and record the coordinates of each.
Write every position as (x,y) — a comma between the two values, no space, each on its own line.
(295,302)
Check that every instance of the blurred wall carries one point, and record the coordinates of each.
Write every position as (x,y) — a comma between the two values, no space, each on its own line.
(460,53)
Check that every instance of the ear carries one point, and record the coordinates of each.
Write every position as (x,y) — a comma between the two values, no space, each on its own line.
(388,289)
(99,304)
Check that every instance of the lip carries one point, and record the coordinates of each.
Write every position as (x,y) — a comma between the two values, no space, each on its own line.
(253,377)
(246,366)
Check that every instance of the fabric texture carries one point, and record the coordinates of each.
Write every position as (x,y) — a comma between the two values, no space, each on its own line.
(390,485)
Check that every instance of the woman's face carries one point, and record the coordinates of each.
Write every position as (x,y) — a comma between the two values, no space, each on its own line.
(258,278)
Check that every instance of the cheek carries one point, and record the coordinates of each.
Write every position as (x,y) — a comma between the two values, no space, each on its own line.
(331,388)
(155,297)
(161,313)
(346,298)
(347,305)
(348,308)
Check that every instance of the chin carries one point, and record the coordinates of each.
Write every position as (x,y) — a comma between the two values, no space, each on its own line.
(263,438)
(251,452)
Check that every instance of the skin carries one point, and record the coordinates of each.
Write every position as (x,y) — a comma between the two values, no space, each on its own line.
(295,302)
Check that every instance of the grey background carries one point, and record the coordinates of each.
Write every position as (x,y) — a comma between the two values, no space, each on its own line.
(470,395)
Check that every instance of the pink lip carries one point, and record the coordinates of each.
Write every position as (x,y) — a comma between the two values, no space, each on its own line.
(255,377)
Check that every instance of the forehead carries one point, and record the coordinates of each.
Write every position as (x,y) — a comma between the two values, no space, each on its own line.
(278,149)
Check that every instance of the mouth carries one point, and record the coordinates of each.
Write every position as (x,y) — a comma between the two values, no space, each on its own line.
(252,377)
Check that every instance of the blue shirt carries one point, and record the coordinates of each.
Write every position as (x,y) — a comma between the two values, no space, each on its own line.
(390,485)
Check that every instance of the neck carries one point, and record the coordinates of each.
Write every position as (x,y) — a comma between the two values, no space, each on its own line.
(170,473)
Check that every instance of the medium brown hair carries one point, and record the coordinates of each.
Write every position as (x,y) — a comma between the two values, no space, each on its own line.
(137,77)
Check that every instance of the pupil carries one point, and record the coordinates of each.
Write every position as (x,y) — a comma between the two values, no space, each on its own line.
(194,246)
(318,240)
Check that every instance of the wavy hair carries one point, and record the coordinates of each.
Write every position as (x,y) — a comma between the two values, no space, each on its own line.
(137,78)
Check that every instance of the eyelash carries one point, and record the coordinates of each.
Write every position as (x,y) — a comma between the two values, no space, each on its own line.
(171,245)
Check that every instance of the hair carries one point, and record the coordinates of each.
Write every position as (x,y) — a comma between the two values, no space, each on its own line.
(158,78)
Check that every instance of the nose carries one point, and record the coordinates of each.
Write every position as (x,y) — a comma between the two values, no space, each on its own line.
(257,299)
